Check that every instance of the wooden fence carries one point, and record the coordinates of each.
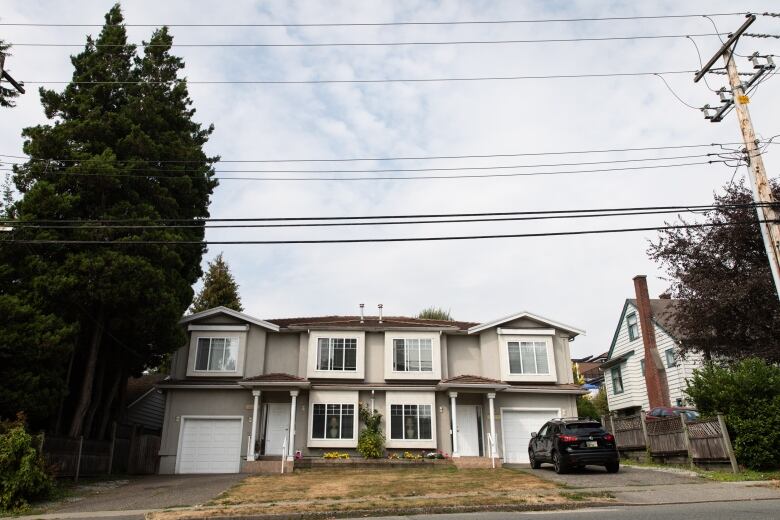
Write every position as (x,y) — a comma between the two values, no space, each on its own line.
(705,440)
(69,457)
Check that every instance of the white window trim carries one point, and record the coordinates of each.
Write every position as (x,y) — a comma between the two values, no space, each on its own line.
(417,398)
(506,375)
(193,354)
(360,364)
(184,418)
(333,397)
(406,356)
(434,374)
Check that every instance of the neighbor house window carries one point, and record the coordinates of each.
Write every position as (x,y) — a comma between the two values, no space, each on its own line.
(670,359)
(217,354)
(337,354)
(633,326)
(410,421)
(528,357)
(617,380)
(333,421)
(642,366)
(412,355)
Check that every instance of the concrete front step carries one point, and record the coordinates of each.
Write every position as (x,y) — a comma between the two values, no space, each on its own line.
(266,467)
(475,462)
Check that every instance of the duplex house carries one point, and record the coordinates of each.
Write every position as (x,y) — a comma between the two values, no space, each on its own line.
(244,388)
(644,368)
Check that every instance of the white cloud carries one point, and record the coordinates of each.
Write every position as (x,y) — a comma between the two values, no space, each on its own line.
(578,280)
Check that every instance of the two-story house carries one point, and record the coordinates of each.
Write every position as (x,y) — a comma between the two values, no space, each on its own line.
(245,388)
(644,368)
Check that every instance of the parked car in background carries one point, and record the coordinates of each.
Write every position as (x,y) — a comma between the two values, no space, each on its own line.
(663,412)
(573,443)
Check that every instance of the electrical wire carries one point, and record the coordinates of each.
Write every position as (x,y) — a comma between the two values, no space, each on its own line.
(364,81)
(385,24)
(675,93)
(146,45)
(388,239)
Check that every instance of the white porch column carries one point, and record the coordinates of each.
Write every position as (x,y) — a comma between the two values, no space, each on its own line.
(291,442)
(253,437)
(454,414)
(491,396)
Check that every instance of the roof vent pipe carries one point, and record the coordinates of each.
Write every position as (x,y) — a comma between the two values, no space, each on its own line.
(362,319)
(380,312)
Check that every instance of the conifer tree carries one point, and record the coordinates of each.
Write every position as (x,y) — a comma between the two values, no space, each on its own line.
(219,288)
(7,95)
(123,145)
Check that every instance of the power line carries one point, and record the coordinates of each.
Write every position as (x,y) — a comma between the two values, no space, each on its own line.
(385,24)
(375,240)
(408,216)
(366,81)
(390,178)
(415,158)
(24,225)
(452,168)
(367,44)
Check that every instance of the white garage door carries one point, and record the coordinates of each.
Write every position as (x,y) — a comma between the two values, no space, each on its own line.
(517,426)
(210,446)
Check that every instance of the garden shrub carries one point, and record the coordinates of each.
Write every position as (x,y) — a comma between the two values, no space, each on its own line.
(747,392)
(371,441)
(23,475)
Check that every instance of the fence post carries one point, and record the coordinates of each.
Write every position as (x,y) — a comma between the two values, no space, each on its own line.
(78,459)
(612,425)
(131,456)
(43,441)
(111,449)
(644,434)
(687,439)
(724,432)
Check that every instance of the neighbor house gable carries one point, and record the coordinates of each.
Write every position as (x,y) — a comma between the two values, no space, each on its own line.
(573,331)
(192,318)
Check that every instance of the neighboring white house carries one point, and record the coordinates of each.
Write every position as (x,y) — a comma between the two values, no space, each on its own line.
(624,370)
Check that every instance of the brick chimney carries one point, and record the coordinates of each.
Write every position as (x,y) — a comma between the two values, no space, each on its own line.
(655,373)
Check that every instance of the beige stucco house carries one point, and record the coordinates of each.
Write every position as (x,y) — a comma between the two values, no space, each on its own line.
(245,388)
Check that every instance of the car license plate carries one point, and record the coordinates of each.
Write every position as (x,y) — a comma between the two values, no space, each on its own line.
(592,444)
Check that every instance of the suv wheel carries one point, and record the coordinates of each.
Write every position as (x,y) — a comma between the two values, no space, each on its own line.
(613,467)
(558,464)
(535,464)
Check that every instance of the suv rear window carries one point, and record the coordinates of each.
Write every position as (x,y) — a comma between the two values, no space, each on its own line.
(582,427)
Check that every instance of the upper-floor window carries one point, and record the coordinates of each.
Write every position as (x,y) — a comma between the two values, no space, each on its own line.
(337,354)
(412,355)
(333,421)
(528,357)
(642,366)
(217,354)
(410,421)
(671,361)
(617,380)
(633,326)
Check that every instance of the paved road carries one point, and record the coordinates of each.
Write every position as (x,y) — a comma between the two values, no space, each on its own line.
(762,509)
(129,500)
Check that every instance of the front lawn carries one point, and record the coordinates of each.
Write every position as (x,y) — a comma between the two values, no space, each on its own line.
(380,490)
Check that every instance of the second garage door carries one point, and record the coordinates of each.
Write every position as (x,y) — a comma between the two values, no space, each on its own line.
(516,427)
(210,445)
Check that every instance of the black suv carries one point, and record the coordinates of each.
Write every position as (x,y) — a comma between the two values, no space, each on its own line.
(573,443)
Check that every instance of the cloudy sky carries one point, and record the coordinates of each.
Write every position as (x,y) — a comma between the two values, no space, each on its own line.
(579,280)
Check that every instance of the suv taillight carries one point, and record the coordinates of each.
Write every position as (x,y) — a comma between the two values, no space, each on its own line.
(609,437)
(568,438)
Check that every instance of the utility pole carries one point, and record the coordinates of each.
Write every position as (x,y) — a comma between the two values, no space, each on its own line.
(762,192)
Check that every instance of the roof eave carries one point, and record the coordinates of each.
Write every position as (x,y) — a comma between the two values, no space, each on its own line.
(574,331)
(230,312)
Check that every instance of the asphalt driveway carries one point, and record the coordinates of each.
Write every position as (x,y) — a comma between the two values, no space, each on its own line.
(138,494)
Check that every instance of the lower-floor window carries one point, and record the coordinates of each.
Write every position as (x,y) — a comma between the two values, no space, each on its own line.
(333,421)
(410,421)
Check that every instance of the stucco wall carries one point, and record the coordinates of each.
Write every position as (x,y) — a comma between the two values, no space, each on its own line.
(463,356)
(281,354)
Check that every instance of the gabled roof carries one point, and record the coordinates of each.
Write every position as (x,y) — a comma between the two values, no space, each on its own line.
(525,314)
(368,322)
(662,310)
(229,312)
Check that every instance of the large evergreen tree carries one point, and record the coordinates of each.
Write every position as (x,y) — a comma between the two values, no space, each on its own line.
(720,274)
(123,146)
(219,288)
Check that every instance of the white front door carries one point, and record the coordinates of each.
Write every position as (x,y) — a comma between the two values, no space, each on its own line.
(277,427)
(516,428)
(210,445)
(468,430)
